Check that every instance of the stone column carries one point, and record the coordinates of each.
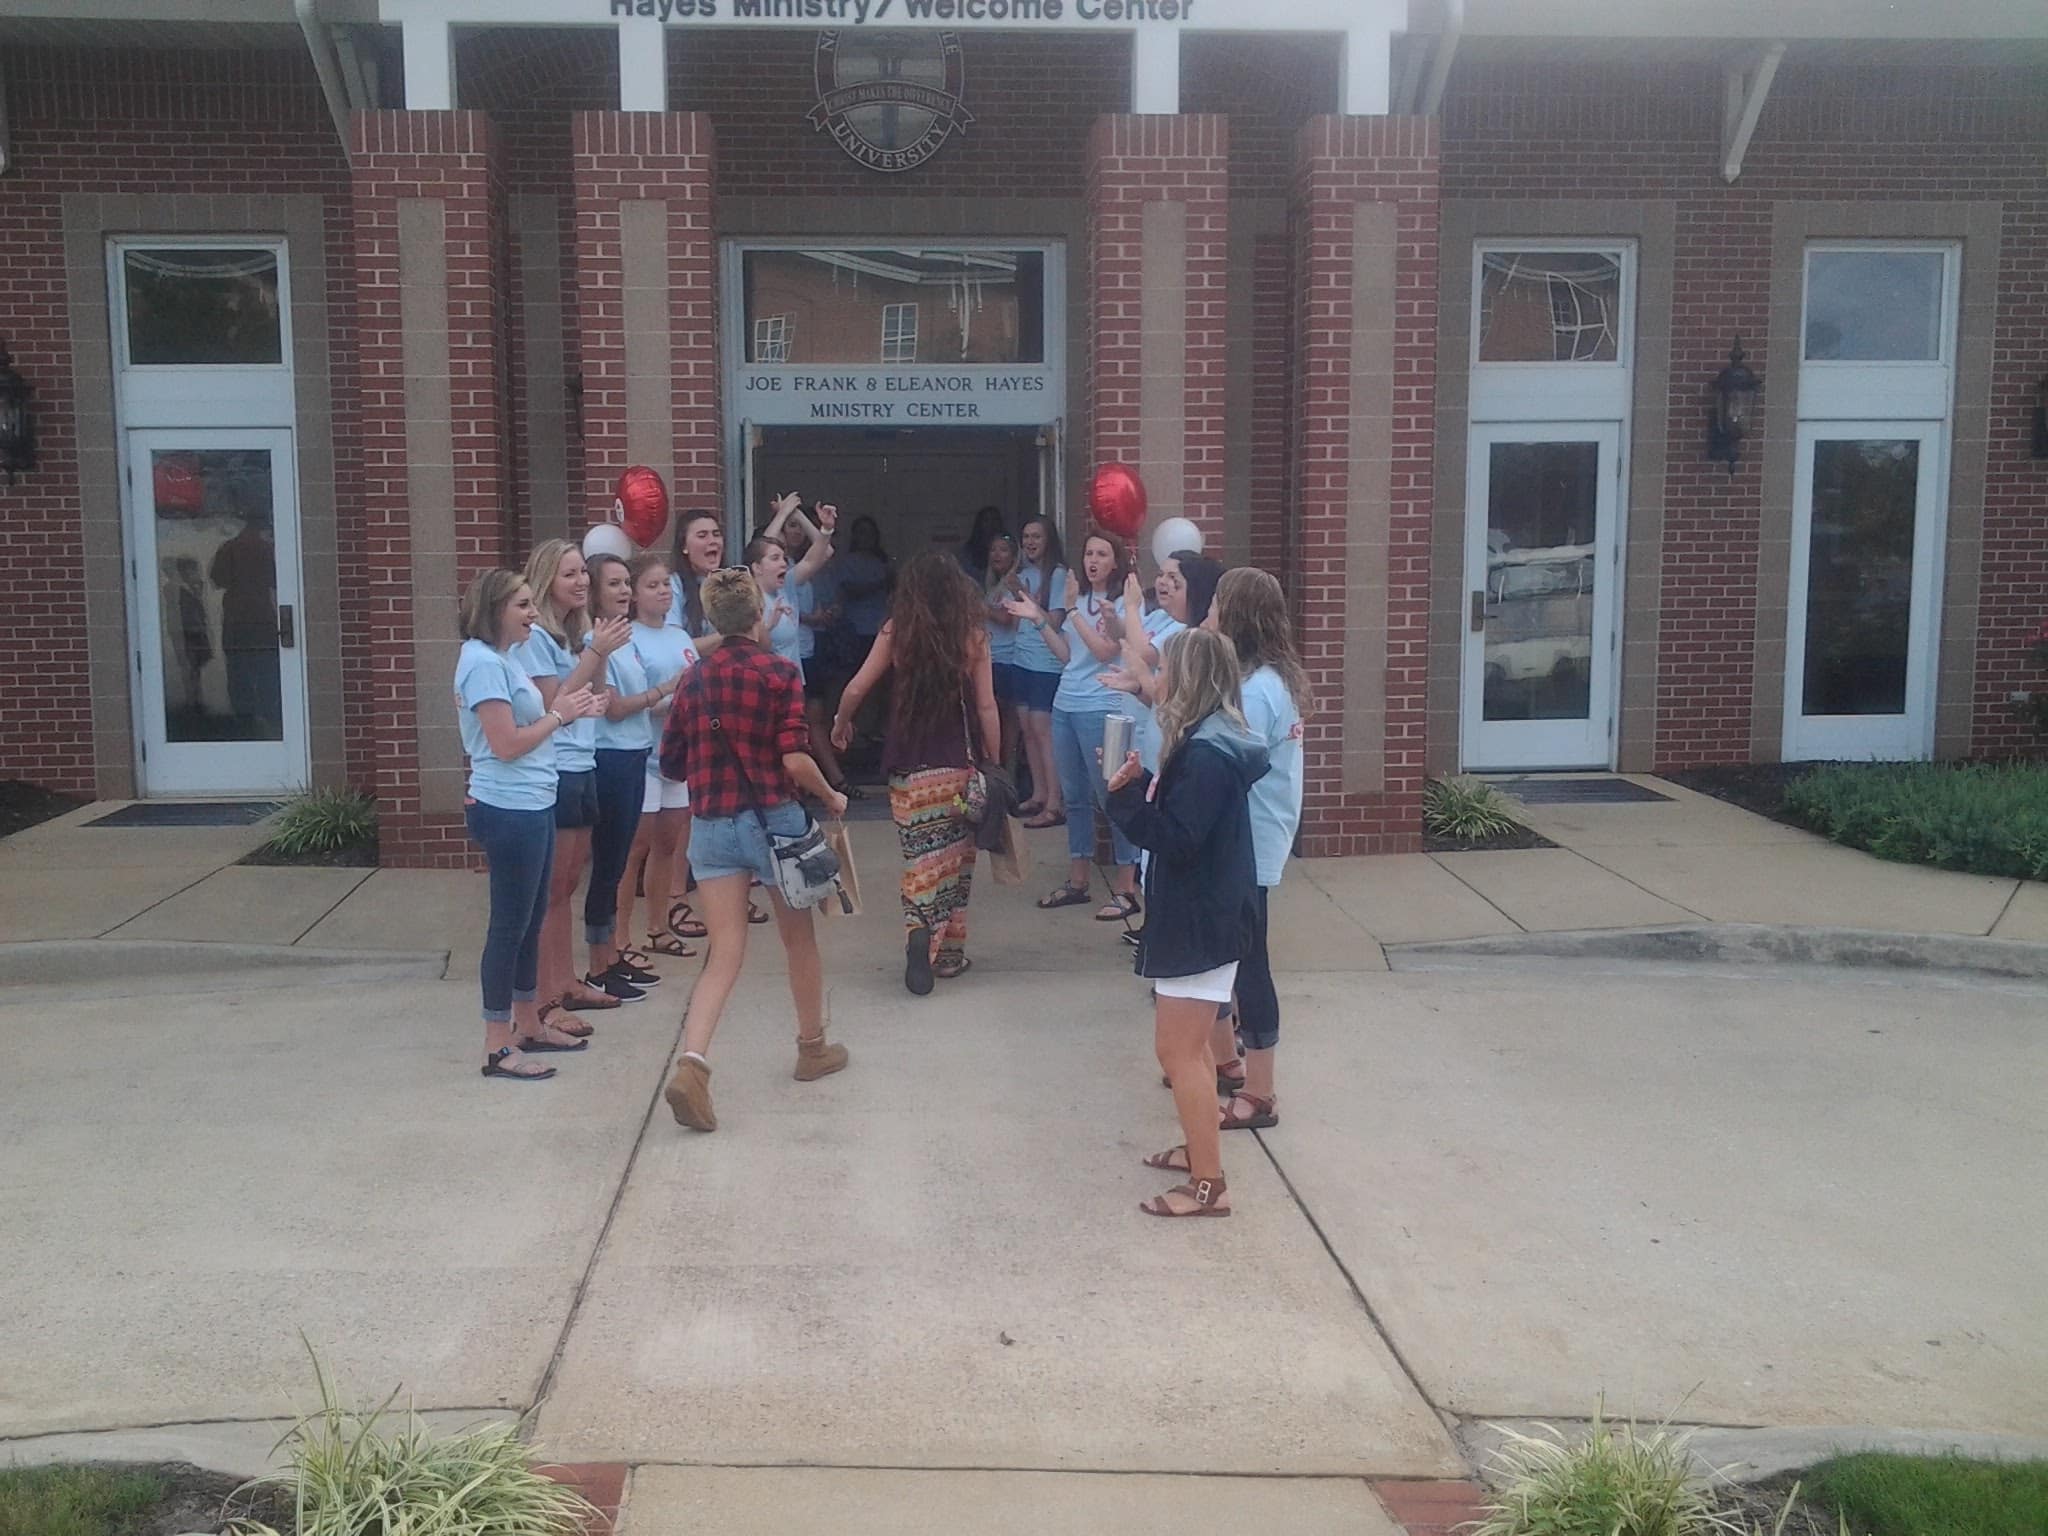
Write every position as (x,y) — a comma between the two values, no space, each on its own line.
(1364,218)
(1158,263)
(647,305)
(430,292)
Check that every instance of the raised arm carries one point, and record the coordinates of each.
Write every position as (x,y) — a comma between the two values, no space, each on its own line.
(820,549)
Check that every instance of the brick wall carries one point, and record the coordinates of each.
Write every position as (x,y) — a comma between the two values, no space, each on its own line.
(116,121)
(1272,437)
(1878,133)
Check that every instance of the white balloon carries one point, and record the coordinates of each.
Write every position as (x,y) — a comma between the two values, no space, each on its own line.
(607,539)
(1173,535)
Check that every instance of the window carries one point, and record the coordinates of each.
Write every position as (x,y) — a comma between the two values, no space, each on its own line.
(1550,307)
(771,339)
(199,305)
(1873,304)
(899,333)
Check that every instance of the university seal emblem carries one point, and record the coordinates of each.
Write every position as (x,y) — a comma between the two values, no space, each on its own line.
(889,99)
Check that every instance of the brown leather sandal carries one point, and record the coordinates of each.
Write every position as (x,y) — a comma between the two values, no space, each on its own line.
(684,923)
(575,1029)
(1172,1160)
(669,944)
(1204,1192)
(1226,1083)
(1264,1112)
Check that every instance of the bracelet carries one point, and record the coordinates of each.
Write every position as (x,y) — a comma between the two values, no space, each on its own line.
(556,716)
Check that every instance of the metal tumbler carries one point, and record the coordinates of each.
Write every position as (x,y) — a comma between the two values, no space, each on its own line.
(1116,741)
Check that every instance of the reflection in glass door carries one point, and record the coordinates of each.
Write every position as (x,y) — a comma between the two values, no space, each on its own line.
(220,671)
(1540,577)
(1859,668)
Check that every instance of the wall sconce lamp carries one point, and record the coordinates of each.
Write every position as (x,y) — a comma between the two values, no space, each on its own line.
(2041,418)
(1735,390)
(17,421)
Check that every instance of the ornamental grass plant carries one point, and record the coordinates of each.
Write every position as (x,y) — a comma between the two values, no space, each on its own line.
(1466,809)
(325,821)
(1617,1481)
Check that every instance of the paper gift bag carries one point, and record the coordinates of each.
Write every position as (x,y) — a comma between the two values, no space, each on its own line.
(1011,863)
(847,902)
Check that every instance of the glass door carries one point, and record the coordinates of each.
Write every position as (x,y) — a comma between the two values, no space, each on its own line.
(1865,528)
(214,530)
(1540,641)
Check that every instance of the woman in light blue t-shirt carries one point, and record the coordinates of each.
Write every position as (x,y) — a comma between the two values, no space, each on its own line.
(656,859)
(1040,579)
(565,650)
(999,565)
(508,732)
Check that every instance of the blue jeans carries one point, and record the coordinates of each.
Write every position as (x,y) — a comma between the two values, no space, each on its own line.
(519,846)
(1076,738)
(621,785)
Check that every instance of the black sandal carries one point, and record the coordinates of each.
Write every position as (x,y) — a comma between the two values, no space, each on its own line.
(1126,908)
(1065,896)
(494,1066)
(535,1043)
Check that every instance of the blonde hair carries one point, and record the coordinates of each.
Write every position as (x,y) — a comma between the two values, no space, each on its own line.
(542,567)
(1251,611)
(1201,679)
(483,605)
(647,560)
(732,600)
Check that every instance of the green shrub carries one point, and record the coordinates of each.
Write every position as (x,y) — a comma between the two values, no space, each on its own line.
(325,820)
(1887,1495)
(1467,809)
(1616,1482)
(74,1501)
(1982,818)
(350,1473)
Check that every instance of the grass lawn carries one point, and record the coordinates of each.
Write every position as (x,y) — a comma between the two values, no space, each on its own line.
(75,1501)
(1882,1495)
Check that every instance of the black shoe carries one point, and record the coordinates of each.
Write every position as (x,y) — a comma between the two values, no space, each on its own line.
(615,987)
(917,961)
(633,975)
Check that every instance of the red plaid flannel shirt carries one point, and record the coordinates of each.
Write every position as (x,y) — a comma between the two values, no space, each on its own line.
(757,698)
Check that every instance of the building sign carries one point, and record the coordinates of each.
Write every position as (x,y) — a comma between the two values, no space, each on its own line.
(897,397)
(860,13)
(889,99)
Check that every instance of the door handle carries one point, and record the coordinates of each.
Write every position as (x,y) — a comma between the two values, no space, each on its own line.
(1478,612)
(287,629)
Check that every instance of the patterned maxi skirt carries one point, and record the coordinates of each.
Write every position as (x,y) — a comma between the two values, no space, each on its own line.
(938,853)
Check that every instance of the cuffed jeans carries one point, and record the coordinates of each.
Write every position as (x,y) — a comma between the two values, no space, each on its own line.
(621,787)
(519,847)
(1076,739)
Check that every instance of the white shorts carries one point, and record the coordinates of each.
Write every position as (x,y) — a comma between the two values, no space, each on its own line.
(664,795)
(1208,986)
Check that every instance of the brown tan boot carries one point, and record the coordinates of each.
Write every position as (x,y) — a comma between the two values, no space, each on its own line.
(689,1095)
(816,1059)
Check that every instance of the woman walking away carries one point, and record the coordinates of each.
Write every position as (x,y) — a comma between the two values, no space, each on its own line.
(1041,579)
(737,734)
(624,743)
(1251,613)
(1001,625)
(563,651)
(942,719)
(1089,641)
(1201,887)
(665,655)
(508,733)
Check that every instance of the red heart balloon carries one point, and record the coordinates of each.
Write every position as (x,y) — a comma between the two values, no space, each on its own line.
(1116,500)
(642,505)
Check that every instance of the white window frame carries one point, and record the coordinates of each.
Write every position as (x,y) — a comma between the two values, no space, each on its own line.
(894,336)
(772,336)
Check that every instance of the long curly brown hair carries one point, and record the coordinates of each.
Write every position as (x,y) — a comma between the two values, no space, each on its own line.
(934,620)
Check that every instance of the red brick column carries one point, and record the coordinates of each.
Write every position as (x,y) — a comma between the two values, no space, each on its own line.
(1365,230)
(650,369)
(1158,200)
(429,280)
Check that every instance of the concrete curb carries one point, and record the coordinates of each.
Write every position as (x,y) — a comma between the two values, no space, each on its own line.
(1755,1455)
(52,969)
(1744,944)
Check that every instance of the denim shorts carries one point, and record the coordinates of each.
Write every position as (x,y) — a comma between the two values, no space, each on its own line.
(737,845)
(1034,690)
(576,800)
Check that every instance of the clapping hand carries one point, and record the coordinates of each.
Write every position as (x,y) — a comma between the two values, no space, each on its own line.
(1127,774)
(1022,607)
(607,635)
(1108,625)
(578,703)
(1121,680)
(1073,592)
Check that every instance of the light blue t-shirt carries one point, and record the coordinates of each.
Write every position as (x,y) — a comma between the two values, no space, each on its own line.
(1275,800)
(575,744)
(663,653)
(525,783)
(1002,638)
(1160,626)
(625,674)
(676,618)
(1032,653)
(806,594)
(1081,679)
(785,634)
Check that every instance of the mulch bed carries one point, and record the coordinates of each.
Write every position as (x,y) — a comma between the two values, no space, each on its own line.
(1758,787)
(355,856)
(1521,837)
(198,1500)
(1758,1505)
(24,805)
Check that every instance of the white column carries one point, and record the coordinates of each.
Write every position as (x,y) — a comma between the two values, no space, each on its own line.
(429,65)
(1155,69)
(643,65)
(1365,85)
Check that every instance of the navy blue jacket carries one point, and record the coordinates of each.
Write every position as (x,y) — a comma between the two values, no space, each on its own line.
(1202,881)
